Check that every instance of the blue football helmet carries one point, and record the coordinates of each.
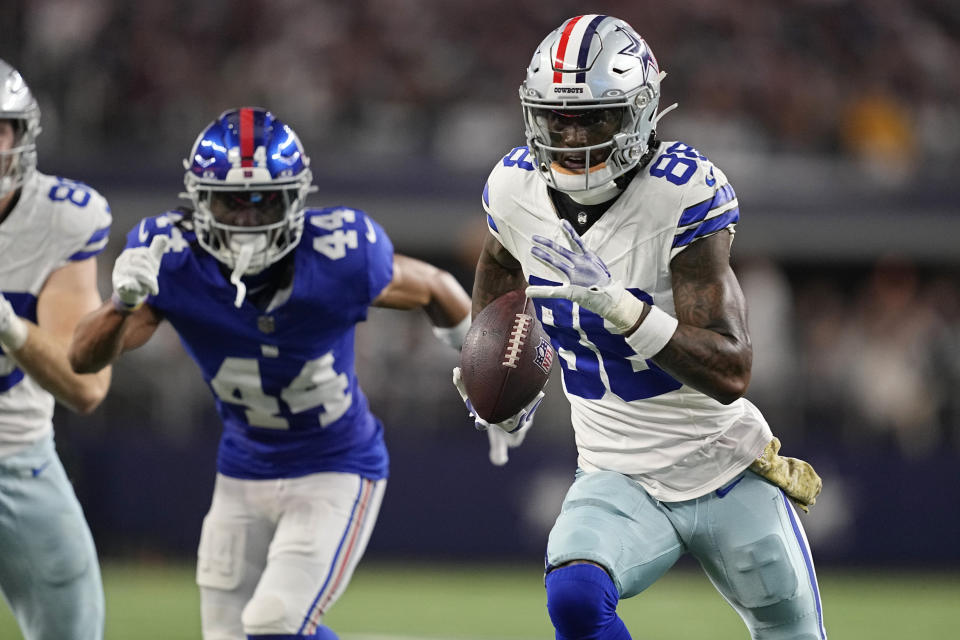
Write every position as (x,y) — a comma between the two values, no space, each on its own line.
(248,178)
(18,105)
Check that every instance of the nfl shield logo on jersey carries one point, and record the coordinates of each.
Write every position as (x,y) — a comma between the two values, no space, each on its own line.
(265,324)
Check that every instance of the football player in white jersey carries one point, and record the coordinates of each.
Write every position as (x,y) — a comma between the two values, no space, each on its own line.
(623,241)
(51,230)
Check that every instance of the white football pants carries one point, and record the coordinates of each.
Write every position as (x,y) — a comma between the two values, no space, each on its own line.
(276,554)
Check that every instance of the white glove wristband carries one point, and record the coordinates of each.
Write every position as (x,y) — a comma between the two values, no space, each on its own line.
(625,312)
(14,334)
(124,307)
(453,336)
(653,334)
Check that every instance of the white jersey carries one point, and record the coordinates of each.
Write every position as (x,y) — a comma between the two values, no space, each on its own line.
(628,415)
(55,222)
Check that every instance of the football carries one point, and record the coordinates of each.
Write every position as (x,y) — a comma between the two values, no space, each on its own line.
(506,357)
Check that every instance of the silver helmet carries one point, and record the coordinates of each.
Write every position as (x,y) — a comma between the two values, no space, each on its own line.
(590,102)
(18,105)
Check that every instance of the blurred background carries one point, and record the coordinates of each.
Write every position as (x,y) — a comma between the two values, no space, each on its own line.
(837,121)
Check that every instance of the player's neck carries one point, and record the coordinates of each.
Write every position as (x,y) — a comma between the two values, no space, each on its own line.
(7,203)
(596,195)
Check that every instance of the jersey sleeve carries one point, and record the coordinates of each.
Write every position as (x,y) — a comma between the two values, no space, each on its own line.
(142,235)
(83,217)
(501,183)
(379,251)
(165,224)
(491,223)
(350,247)
(708,205)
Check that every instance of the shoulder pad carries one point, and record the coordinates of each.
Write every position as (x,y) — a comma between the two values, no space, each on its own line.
(708,202)
(80,214)
(514,171)
(335,231)
(177,224)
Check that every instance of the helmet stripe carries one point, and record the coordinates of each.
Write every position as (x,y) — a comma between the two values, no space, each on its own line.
(585,46)
(246,137)
(562,48)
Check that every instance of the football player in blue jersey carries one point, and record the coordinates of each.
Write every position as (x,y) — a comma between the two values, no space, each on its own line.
(51,231)
(623,241)
(265,295)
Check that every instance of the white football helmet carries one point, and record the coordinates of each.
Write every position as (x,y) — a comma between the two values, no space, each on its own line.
(18,105)
(590,102)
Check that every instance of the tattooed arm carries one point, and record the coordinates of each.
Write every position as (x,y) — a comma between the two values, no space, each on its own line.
(710,350)
(497,273)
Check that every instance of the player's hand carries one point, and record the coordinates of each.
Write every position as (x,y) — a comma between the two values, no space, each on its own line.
(135,273)
(506,434)
(13,330)
(455,335)
(589,282)
(501,441)
(796,477)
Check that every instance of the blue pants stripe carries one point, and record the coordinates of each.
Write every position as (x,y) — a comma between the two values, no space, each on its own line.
(807,561)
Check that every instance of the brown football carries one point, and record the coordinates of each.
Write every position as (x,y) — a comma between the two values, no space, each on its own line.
(506,357)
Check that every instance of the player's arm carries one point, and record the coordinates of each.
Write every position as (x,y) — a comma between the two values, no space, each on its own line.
(103,335)
(497,273)
(706,346)
(69,293)
(124,322)
(419,285)
(710,349)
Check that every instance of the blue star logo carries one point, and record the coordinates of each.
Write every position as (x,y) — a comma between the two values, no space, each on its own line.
(638,49)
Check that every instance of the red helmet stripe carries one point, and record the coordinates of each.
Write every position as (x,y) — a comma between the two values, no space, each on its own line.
(246,137)
(562,48)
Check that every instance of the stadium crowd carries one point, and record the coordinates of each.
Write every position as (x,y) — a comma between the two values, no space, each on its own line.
(391,78)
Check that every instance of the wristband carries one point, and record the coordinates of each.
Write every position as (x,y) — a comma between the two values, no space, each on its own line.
(653,334)
(123,307)
(15,334)
(624,314)
(453,336)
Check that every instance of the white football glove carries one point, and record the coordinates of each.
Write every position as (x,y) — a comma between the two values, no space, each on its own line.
(507,434)
(501,441)
(135,273)
(455,335)
(589,282)
(13,330)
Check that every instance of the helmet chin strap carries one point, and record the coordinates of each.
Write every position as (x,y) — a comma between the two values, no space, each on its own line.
(244,257)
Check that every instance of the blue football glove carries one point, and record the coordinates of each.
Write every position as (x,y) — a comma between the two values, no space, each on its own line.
(589,282)
(505,435)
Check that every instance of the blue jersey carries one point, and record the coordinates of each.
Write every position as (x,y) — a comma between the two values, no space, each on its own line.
(283,379)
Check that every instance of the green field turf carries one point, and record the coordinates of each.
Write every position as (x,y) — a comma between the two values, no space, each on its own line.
(415,602)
